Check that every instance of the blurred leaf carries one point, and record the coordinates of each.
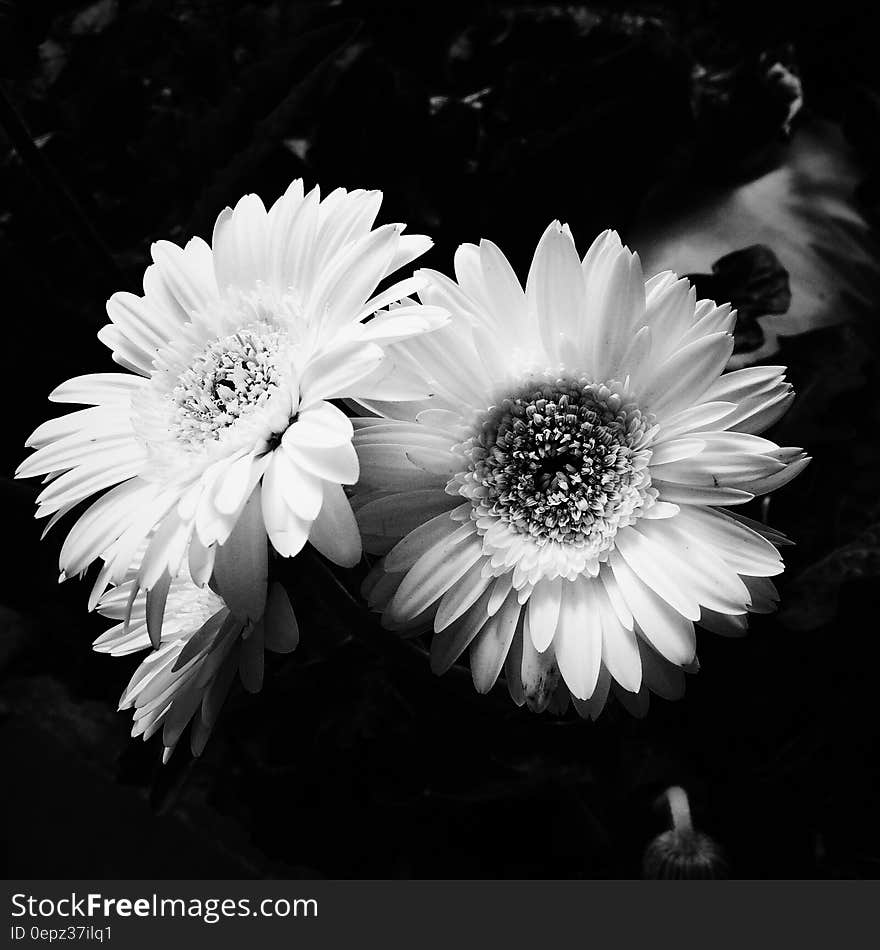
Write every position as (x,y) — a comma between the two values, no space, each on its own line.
(747,100)
(94,18)
(754,282)
(811,601)
(803,210)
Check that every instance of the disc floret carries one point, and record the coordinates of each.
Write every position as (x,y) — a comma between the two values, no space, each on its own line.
(561,462)
(228,380)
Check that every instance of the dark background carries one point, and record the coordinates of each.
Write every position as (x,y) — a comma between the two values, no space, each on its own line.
(126,122)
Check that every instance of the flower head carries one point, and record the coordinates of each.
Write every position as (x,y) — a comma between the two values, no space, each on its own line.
(223,433)
(559,505)
(203,645)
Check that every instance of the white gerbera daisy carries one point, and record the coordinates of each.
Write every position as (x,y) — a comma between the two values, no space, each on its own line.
(558,505)
(203,644)
(223,432)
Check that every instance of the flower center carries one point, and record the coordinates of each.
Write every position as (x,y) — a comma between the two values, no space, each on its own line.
(562,460)
(227,381)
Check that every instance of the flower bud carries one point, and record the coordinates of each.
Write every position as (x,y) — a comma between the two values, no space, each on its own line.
(682,853)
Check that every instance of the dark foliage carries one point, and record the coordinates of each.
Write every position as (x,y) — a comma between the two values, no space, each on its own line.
(126,121)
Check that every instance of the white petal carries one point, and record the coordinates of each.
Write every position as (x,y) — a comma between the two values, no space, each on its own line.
(388,468)
(543,616)
(165,551)
(646,559)
(125,353)
(433,574)
(241,565)
(743,384)
(321,425)
(676,450)
(345,217)
(744,549)
(333,374)
(303,492)
(752,418)
(201,561)
(94,422)
(420,540)
(78,449)
(391,382)
(157,597)
(691,564)
(771,483)
(287,532)
(687,374)
(615,302)
(350,280)
(440,291)
(700,494)
(672,314)
(292,239)
(448,645)
(637,361)
(539,671)
(239,245)
(338,464)
(146,325)
(555,289)
(85,480)
(335,532)
(489,648)
(409,248)
(689,421)
(578,642)
(392,294)
(504,291)
(671,634)
(231,487)
(463,594)
(448,359)
(124,552)
(187,273)
(592,708)
(98,388)
(620,651)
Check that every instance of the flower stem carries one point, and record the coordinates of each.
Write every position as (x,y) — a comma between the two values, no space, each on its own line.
(679,808)
(371,634)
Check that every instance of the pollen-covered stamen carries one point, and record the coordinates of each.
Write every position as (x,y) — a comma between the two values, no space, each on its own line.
(228,380)
(562,461)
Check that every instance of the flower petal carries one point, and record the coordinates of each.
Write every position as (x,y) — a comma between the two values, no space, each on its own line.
(241,566)
(335,532)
